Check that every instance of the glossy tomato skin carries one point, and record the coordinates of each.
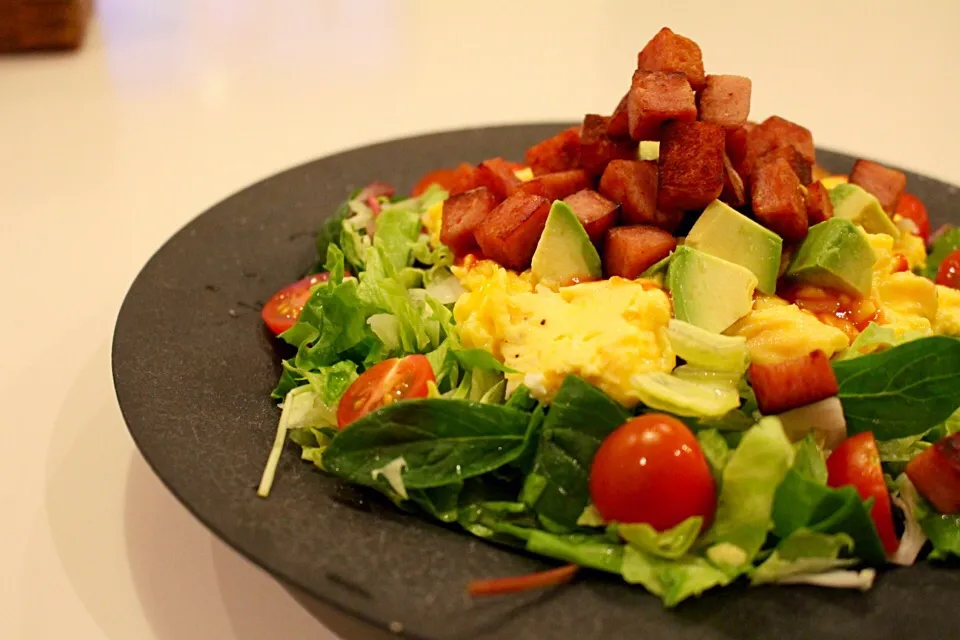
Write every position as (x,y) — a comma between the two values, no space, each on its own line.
(936,474)
(856,462)
(910,207)
(387,382)
(949,272)
(652,470)
(283,308)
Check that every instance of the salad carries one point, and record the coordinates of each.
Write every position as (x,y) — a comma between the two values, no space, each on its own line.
(667,345)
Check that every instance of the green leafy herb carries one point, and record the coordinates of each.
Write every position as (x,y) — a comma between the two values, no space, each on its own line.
(580,417)
(442,441)
(902,391)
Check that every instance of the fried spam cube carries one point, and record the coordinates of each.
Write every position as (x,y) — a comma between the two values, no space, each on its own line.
(778,200)
(668,51)
(556,186)
(725,100)
(800,165)
(598,148)
(629,251)
(819,207)
(885,183)
(497,175)
(657,97)
(619,124)
(633,183)
(691,165)
(510,233)
(775,133)
(596,213)
(559,153)
(462,213)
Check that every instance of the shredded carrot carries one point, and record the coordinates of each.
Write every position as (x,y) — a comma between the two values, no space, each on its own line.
(528,582)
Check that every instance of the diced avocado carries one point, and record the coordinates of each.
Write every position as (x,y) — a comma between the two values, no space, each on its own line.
(648,150)
(708,291)
(710,351)
(565,254)
(860,207)
(658,270)
(835,254)
(726,233)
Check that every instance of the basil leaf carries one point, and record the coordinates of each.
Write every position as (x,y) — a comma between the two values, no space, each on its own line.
(580,417)
(902,391)
(442,442)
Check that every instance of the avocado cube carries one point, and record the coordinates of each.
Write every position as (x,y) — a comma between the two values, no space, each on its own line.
(835,254)
(862,208)
(564,253)
(726,233)
(708,291)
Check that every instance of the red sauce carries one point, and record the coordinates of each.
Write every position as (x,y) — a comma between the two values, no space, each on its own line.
(845,312)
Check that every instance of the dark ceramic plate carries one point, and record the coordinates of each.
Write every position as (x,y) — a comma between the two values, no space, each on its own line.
(193,368)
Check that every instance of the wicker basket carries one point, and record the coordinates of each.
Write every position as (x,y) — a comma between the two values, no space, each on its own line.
(43,24)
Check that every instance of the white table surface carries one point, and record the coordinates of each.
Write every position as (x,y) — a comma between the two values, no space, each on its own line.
(174,104)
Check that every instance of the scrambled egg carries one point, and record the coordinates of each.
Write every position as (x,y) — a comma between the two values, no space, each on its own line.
(432,220)
(907,302)
(776,331)
(947,320)
(607,332)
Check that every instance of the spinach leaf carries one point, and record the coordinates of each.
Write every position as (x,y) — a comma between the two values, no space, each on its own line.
(480,359)
(580,417)
(442,442)
(443,503)
(805,502)
(902,391)
(944,246)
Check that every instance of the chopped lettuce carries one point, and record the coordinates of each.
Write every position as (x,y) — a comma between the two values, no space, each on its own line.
(874,338)
(672,580)
(670,544)
(804,552)
(748,486)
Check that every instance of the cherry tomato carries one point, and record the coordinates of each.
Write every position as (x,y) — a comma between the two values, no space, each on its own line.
(936,474)
(446,178)
(910,207)
(282,310)
(856,462)
(385,383)
(652,470)
(949,272)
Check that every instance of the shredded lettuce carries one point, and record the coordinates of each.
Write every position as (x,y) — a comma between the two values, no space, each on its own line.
(804,552)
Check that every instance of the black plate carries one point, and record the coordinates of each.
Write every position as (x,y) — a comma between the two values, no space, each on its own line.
(193,367)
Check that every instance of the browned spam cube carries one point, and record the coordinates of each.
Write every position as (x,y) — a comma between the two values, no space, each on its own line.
(557,186)
(462,213)
(885,183)
(629,251)
(775,133)
(800,165)
(595,213)
(734,193)
(618,125)
(778,200)
(655,98)
(598,148)
(633,183)
(668,51)
(510,233)
(817,200)
(497,174)
(691,165)
(725,100)
(736,147)
(559,153)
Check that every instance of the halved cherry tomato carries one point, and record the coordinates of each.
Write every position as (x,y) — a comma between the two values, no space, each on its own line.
(910,207)
(949,272)
(282,310)
(652,470)
(936,474)
(900,263)
(390,381)
(446,178)
(856,462)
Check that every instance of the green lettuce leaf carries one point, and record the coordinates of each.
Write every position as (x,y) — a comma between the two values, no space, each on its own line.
(942,247)
(672,580)
(943,531)
(876,338)
(716,450)
(670,544)
(804,552)
(748,486)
